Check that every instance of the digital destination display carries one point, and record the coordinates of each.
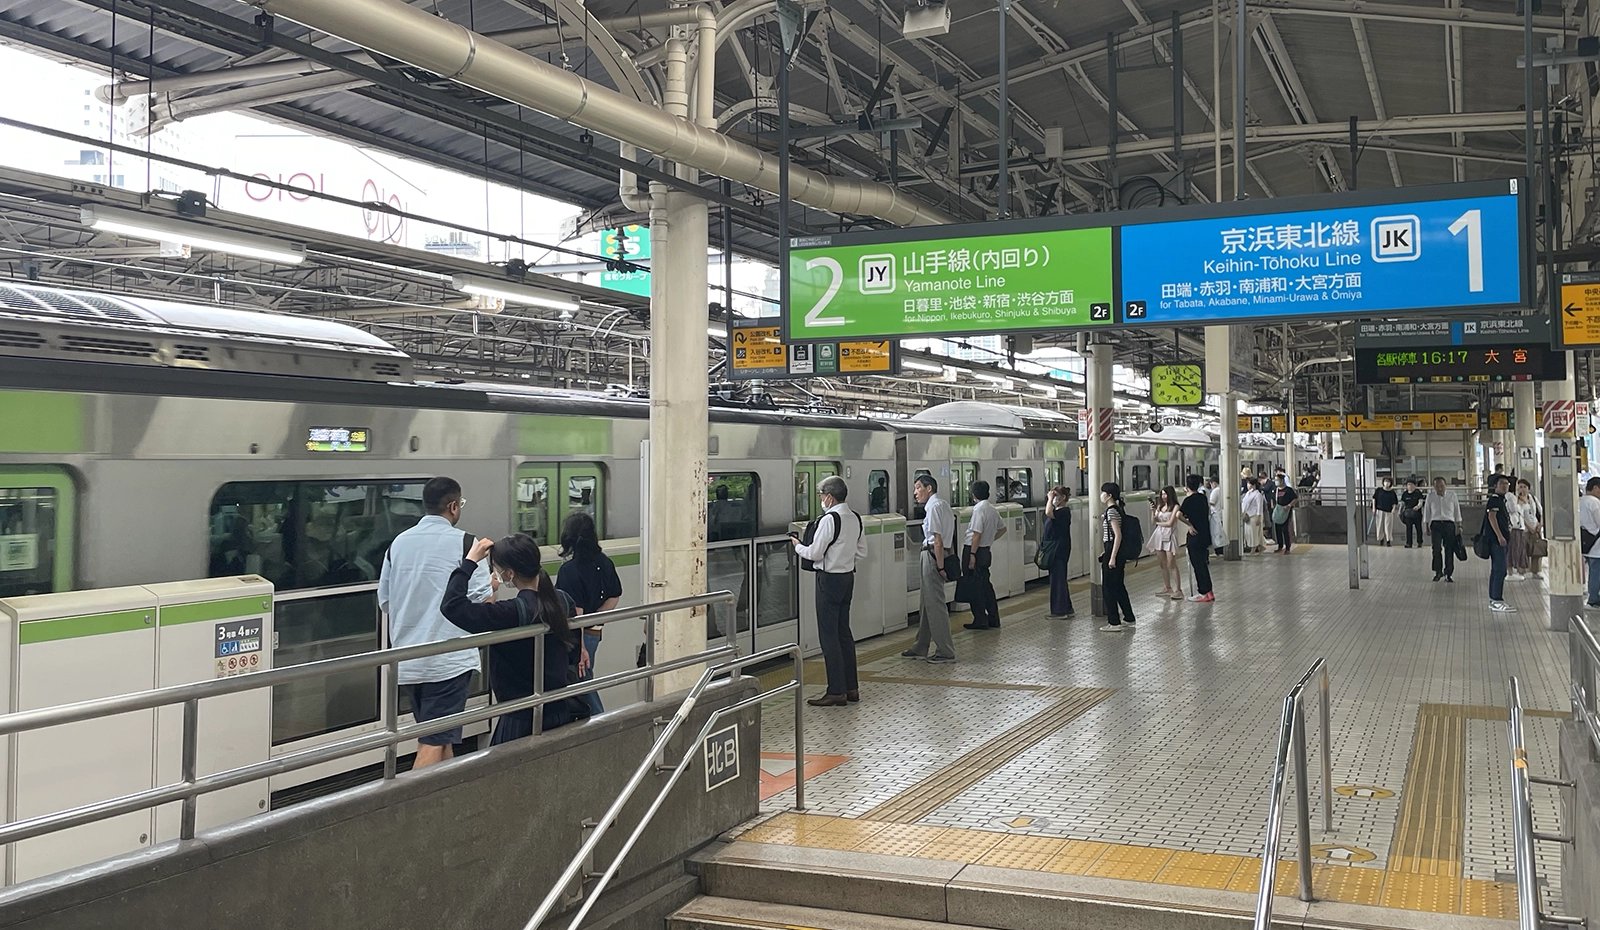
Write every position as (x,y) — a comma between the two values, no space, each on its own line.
(1477,350)
(338,439)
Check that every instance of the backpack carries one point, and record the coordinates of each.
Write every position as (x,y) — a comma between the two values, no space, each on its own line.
(1132,539)
(810,534)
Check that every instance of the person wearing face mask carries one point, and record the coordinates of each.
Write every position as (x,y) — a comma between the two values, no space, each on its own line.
(517,562)
(1411,511)
(1284,500)
(1384,502)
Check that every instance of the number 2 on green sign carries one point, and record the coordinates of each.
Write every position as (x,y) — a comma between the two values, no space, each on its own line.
(1472,222)
(814,316)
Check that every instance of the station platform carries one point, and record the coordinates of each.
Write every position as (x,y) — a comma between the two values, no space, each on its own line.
(1143,757)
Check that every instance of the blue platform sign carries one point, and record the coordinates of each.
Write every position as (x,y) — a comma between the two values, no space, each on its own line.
(1450,247)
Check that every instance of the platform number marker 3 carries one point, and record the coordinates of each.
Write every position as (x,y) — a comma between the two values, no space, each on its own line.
(721,752)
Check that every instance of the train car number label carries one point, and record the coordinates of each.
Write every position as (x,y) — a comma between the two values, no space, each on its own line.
(237,647)
(721,752)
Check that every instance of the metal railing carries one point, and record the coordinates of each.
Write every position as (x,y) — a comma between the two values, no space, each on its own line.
(652,763)
(1292,741)
(1585,661)
(1530,916)
(193,785)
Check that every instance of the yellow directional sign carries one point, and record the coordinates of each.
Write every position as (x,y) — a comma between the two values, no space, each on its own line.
(1580,315)
(860,358)
(1338,852)
(1456,419)
(1387,422)
(758,347)
(1318,422)
(1263,423)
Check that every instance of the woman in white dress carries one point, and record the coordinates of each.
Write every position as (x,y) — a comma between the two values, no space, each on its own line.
(1167,534)
(1254,507)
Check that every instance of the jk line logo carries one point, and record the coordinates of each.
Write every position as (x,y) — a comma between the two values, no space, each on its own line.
(1396,239)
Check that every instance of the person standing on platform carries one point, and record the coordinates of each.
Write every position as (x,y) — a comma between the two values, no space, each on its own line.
(411,585)
(1284,501)
(1441,519)
(1219,535)
(1166,530)
(1254,507)
(838,544)
(1113,578)
(1058,533)
(1533,524)
(983,530)
(589,577)
(1497,526)
(1411,511)
(1517,552)
(1384,502)
(1589,534)
(1196,509)
(938,534)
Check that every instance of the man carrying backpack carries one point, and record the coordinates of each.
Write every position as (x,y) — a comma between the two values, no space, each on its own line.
(838,542)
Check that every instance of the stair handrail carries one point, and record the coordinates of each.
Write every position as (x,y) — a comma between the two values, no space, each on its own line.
(1292,741)
(658,751)
(1585,664)
(1530,916)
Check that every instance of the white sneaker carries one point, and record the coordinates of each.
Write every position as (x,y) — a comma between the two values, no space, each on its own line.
(1111,628)
(1501,607)
(1513,577)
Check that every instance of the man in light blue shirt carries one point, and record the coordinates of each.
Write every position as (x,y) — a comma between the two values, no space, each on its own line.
(410,589)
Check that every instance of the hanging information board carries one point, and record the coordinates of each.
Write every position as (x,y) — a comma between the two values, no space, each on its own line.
(759,353)
(1333,256)
(1479,349)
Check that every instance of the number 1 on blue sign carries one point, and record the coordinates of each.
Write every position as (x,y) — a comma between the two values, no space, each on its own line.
(1472,223)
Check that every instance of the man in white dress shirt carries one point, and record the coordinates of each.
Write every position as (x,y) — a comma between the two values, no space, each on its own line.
(982,530)
(1441,514)
(938,536)
(840,541)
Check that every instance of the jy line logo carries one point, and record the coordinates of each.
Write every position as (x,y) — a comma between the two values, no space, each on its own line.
(877,274)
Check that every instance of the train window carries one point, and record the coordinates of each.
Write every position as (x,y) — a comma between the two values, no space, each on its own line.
(35,532)
(309,534)
(1055,474)
(1141,478)
(546,493)
(1015,486)
(734,511)
(807,475)
(962,474)
(878,491)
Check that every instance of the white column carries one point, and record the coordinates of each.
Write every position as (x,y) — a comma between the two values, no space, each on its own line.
(679,420)
(1525,463)
(1229,478)
(1102,462)
(1565,564)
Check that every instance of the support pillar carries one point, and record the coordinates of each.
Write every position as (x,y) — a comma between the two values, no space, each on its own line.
(1471,447)
(1525,458)
(1102,462)
(1561,517)
(1219,376)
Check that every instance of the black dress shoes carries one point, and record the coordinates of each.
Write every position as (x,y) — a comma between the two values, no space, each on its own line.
(828,700)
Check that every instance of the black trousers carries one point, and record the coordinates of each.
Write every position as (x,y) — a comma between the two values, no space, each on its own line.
(1060,594)
(834,593)
(1412,526)
(1444,534)
(1281,531)
(979,587)
(1200,561)
(1114,589)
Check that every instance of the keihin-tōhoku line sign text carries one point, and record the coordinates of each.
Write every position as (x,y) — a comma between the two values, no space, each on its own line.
(1348,255)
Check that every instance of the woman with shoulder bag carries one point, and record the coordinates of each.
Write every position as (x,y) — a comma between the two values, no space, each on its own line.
(1533,527)
(516,560)
(1057,540)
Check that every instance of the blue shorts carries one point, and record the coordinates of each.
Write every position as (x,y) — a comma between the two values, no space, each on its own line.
(431,700)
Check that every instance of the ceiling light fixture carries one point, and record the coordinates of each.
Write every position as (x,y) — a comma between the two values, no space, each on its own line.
(512,293)
(920,366)
(1002,382)
(164,229)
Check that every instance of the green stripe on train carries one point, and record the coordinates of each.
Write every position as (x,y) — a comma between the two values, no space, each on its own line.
(41,421)
(548,434)
(216,610)
(122,621)
(620,561)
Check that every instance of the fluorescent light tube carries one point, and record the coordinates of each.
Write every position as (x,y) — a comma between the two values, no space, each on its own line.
(512,293)
(993,379)
(920,366)
(173,229)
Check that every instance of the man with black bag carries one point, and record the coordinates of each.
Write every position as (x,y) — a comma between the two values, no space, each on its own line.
(1589,537)
(1441,515)
(939,565)
(831,554)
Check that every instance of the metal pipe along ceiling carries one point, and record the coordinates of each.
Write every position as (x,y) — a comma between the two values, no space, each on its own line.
(411,35)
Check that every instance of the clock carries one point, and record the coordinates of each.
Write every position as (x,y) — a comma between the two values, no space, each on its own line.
(1177,385)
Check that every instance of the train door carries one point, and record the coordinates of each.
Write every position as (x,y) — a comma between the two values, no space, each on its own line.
(807,475)
(962,474)
(548,492)
(36,526)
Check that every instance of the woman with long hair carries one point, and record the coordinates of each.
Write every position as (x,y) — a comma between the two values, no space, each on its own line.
(1114,584)
(1167,524)
(589,577)
(1058,531)
(516,561)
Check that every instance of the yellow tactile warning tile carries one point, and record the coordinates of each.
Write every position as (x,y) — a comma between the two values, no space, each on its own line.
(1030,853)
(1443,892)
(1078,857)
(1488,899)
(1440,894)
(1428,835)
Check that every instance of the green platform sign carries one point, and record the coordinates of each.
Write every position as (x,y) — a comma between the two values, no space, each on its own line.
(1055,279)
